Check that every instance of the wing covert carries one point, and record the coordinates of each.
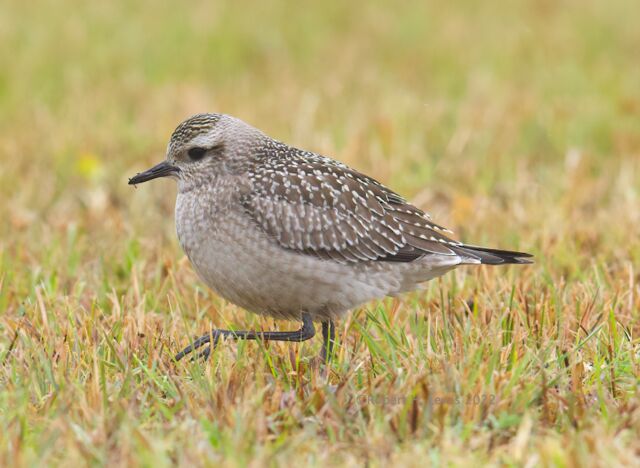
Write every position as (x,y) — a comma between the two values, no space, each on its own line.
(318,206)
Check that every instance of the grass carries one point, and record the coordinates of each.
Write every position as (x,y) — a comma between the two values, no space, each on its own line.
(515,124)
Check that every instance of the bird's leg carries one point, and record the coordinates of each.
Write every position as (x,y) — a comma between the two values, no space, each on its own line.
(306,332)
(328,339)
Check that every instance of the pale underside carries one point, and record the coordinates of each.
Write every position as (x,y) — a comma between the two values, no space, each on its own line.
(248,267)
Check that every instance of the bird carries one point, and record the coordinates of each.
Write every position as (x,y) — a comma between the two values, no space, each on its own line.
(295,235)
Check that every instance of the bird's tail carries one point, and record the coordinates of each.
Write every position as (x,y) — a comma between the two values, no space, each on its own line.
(492,256)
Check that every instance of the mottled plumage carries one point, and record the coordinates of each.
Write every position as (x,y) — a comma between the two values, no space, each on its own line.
(317,206)
(290,233)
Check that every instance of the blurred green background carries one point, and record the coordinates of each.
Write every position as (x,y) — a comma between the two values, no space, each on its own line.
(463,98)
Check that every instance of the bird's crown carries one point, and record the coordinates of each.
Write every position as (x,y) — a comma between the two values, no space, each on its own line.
(193,126)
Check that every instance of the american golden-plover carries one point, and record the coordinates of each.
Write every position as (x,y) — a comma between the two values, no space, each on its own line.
(295,235)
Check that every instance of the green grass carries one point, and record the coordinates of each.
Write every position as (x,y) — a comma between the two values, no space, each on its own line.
(513,123)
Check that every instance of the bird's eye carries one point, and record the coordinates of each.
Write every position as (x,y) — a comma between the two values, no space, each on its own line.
(197,153)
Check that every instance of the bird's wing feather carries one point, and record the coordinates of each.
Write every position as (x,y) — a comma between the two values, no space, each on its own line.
(315,205)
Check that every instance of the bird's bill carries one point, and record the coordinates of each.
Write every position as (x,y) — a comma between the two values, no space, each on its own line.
(163,169)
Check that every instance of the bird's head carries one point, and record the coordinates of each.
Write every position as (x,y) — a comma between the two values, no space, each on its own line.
(201,147)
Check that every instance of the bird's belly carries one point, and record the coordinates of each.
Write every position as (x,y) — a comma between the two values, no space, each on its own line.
(265,279)
(240,263)
(243,265)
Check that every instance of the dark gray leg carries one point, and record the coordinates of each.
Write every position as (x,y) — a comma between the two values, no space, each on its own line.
(306,332)
(328,339)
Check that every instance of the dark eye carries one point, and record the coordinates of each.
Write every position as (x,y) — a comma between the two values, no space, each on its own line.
(197,153)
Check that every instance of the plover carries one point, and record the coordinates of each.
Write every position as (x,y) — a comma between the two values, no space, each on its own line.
(296,235)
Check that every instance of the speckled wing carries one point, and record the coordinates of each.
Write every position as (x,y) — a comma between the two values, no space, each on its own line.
(317,206)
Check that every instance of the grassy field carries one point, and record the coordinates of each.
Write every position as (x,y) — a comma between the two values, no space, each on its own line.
(516,124)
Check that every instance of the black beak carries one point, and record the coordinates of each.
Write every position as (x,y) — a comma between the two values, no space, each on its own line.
(163,169)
